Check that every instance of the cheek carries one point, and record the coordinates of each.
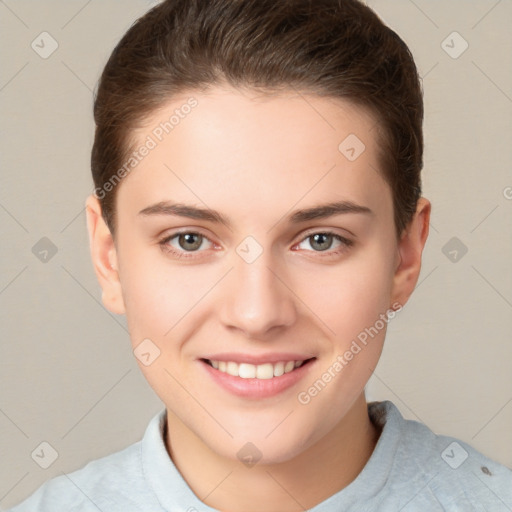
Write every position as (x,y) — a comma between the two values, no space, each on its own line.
(351,296)
(155,294)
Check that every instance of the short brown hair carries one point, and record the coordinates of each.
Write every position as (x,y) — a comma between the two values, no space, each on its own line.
(335,48)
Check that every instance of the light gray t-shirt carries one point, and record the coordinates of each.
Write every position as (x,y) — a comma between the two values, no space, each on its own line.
(410,470)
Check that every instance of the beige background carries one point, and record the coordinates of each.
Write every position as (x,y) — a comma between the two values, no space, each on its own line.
(68,375)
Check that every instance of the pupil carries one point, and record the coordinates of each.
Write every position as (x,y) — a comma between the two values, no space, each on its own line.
(188,238)
(320,239)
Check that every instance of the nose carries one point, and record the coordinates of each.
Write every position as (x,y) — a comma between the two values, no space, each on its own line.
(257,299)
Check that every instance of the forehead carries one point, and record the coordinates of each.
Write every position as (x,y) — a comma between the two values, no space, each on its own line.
(245,114)
(245,149)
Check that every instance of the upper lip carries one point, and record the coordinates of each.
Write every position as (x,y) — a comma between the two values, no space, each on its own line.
(273,357)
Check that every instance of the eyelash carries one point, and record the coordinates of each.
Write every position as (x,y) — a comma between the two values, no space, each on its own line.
(346,244)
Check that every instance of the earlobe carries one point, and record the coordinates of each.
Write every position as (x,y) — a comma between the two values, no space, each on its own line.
(410,250)
(104,257)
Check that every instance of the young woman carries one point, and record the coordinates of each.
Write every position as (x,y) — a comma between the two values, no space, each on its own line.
(258,218)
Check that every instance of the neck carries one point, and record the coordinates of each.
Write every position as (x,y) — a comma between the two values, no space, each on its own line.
(302,482)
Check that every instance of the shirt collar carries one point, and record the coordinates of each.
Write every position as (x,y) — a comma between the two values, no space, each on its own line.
(173,493)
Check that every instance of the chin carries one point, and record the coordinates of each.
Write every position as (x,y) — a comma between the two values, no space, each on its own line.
(267,446)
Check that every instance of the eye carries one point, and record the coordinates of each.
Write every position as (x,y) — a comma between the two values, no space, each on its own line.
(322,241)
(184,242)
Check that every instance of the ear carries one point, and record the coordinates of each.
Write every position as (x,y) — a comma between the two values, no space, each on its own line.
(410,248)
(104,257)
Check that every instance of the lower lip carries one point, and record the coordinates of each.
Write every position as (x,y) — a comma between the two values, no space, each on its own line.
(257,388)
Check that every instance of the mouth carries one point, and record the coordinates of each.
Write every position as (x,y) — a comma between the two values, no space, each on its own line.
(263,371)
(259,379)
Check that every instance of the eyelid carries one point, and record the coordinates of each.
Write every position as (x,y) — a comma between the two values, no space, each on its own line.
(169,234)
(343,240)
(327,231)
(332,231)
(191,232)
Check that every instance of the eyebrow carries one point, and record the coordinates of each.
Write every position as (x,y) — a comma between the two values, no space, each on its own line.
(298,216)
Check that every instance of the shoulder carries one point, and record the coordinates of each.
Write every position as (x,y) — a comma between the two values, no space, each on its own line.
(445,471)
(87,489)
(115,483)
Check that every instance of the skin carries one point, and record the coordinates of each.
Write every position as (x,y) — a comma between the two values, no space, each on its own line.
(255,160)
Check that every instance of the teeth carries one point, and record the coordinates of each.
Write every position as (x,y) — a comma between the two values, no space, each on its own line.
(289,366)
(246,371)
(232,369)
(252,371)
(278,369)
(265,371)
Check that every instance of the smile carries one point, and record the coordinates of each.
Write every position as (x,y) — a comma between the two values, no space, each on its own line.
(251,371)
(262,377)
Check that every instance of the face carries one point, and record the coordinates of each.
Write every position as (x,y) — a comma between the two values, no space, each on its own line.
(255,259)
